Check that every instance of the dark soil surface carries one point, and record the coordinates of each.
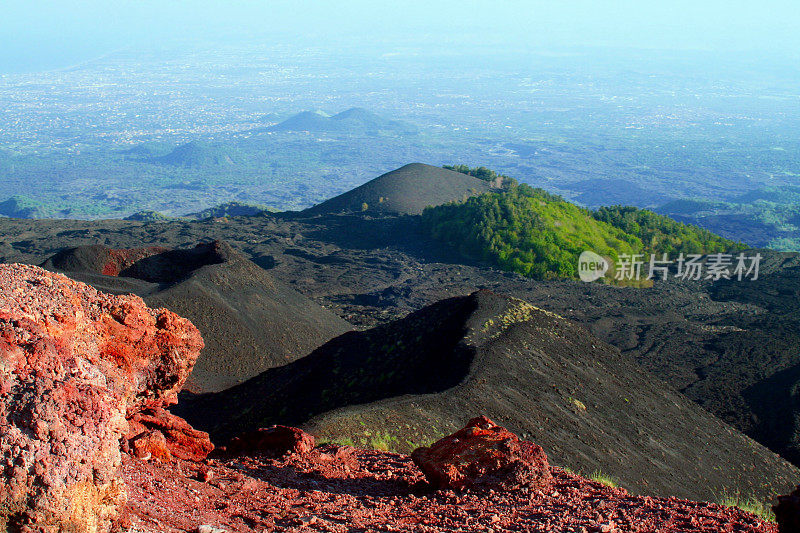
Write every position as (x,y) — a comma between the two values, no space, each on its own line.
(341,490)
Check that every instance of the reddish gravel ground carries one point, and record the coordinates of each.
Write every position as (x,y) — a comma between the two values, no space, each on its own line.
(341,489)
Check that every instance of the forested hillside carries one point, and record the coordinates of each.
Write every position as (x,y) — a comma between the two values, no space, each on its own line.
(541,235)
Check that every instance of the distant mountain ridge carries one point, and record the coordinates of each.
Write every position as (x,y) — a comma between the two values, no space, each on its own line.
(150,149)
(228,209)
(355,120)
(197,154)
(20,206)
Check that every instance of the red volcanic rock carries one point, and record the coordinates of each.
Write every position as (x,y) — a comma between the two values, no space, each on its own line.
(150,445)
(787,512)
(74,363)
(180,439)
(483,455)
(274,441)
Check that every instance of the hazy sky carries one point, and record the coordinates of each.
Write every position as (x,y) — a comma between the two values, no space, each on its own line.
(32,31)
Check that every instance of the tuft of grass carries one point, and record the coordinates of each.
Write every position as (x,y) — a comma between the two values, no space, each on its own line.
(381,443)
(605,479)
(578,404)
(750,505)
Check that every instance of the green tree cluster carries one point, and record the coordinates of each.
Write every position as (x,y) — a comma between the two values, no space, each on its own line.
(661,234)
(483,173)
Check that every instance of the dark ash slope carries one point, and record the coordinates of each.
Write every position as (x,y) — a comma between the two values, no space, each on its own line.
(405,191)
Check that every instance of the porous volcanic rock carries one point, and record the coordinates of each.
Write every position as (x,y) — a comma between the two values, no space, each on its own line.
(787,512)
(151,427)
(483,455)
(273,441)
(150,445)
(74,363)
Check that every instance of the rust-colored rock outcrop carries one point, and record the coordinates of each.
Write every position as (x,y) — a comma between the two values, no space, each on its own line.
(119,260)
(74,364)
(483,455)
(274,441)
(149,428)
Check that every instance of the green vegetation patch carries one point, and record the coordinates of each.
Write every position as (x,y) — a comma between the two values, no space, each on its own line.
(605,479)
(750,505)
(20,206)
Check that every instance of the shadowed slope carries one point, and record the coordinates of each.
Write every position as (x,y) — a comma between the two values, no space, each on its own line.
(419,354)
